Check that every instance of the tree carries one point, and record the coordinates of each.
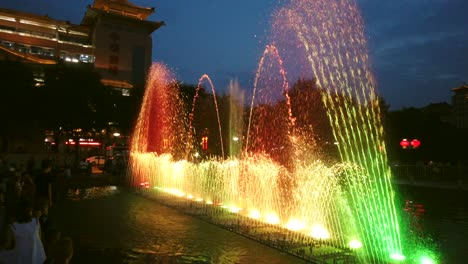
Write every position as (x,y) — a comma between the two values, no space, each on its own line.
(74,97)
(73,103)
(310,114)
(440,140)
(17,103)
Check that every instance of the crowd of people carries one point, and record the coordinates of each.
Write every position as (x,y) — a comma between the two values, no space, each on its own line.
(26,233)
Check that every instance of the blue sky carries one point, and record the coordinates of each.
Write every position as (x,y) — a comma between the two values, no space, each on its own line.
(418,48)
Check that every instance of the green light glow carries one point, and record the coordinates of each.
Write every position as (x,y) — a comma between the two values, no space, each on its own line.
(397,256)
(354,114)
(355,244)
(427,260)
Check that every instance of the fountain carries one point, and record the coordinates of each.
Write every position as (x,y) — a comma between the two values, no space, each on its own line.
(236,121)
(279,188)
(192,114)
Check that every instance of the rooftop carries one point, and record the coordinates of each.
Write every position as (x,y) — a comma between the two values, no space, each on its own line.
(461,88)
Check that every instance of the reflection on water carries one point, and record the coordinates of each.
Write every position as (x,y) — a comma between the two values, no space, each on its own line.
(445,219)
(113,225)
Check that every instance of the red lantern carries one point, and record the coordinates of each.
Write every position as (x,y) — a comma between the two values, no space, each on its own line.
(415,143)
(404,143)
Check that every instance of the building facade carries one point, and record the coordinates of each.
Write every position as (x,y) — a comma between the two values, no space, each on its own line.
(460,106)
(114,36)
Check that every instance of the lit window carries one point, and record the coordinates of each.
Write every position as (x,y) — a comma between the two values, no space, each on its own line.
(87,58)
(125,92)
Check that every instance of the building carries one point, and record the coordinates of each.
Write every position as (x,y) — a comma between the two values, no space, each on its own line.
(460,106)
(114,37)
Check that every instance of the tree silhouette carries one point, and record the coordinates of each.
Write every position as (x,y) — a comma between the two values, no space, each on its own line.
(73,97)
(17,103)
(310,113)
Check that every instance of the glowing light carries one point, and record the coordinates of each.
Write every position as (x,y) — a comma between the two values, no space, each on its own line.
(272,219)
(404,143)
(209,202)
(234,209)
(415,143)
(8,18)
(204,142)
(355,244)
(175,192)
(190,196)
(426,260)
(199,200)
(295,225)
(145,184)
(318,231)
(397,256)
(255,214)
(83,143)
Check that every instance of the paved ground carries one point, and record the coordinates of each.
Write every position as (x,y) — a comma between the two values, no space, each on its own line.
(110,224)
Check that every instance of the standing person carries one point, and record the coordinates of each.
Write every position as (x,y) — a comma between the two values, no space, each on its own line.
(13,192)
(67,168)
(28,191)
(27,233)
(84,167)
(44,183)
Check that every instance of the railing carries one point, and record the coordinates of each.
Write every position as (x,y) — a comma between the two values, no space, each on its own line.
(437,175)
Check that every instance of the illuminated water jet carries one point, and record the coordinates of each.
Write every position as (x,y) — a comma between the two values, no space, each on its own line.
(236,122)
(192,114)
(279,187)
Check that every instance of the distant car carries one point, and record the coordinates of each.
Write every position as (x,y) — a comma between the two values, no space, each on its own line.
(96,160)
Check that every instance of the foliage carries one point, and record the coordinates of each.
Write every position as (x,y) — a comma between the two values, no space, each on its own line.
(311,116)
(73,97)
(440,140)
(17,103)
(71,102)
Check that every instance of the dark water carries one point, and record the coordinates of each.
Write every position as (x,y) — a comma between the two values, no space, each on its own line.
(445,219)
(111,225)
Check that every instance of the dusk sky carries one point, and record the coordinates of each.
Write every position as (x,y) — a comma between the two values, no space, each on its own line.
(418,48)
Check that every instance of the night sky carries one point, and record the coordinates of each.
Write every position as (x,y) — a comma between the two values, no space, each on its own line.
(418,48)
